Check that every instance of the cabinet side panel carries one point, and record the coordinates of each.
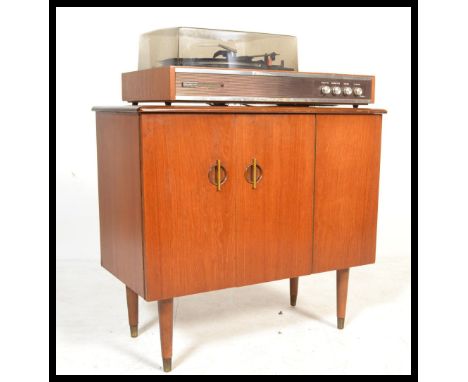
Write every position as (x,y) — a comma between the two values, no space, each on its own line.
(120,208)
(346,191)
(148,85)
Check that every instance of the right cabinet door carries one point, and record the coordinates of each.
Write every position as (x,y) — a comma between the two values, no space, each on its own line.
(346,190)
(274,217)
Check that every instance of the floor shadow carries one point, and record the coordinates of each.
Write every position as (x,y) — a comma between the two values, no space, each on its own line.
(240,306)
(183,355)
(378,284)
(313,316)
(153,363)
(148,325)
(237,309)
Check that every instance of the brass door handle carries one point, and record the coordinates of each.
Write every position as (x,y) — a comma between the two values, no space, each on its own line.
(217,175)
(253,173)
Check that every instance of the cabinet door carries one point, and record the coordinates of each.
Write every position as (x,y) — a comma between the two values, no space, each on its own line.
(274,220)
(188,223)
(346,190)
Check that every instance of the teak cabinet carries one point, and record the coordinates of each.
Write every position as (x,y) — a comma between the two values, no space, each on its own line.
(194,199)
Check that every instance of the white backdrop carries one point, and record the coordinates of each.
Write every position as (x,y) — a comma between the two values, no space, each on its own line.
(94,46)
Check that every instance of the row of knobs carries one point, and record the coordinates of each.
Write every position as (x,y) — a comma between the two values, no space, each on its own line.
(336,90)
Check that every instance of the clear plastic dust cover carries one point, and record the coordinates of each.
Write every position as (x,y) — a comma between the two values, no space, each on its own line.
(217,48)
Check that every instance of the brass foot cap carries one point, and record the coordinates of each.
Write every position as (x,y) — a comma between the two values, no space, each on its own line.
(340,323)
(134,331)
(293,300)
(167,364)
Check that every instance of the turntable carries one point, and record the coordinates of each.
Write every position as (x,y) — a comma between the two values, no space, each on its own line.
(223,67)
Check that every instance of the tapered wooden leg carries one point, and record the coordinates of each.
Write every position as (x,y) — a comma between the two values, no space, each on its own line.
(293,285)
(342,276)
(132,306)
(165,308)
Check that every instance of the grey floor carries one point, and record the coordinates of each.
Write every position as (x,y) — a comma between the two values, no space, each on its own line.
(248,330)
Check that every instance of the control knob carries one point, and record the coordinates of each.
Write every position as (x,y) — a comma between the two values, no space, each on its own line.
(347,91)
(358,92)
(336,90)
(325,90)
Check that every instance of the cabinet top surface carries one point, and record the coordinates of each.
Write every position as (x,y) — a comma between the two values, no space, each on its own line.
(143,109)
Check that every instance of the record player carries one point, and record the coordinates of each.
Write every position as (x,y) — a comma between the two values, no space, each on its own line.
(223,67)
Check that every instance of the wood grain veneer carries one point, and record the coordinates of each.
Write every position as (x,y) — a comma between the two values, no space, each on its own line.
(120,208)
(346,191)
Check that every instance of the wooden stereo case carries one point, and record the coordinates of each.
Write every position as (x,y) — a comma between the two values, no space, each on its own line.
(217,85)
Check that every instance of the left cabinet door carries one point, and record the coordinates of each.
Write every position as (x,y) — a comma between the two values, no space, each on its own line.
(188,223)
